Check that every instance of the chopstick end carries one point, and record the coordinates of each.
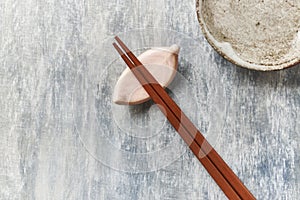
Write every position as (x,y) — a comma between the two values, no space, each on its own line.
(118,49)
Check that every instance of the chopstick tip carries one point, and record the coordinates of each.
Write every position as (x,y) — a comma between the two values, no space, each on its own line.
(118,48)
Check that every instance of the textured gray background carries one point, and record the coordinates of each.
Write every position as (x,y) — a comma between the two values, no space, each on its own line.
(42,48)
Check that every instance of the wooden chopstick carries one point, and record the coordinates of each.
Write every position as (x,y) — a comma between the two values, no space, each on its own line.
(215,165)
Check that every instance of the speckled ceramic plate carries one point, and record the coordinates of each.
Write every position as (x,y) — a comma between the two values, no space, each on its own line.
(260,35)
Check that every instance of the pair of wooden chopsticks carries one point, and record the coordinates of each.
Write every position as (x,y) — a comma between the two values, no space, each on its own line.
(210,159)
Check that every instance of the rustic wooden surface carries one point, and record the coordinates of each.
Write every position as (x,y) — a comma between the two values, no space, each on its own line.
(47,146)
